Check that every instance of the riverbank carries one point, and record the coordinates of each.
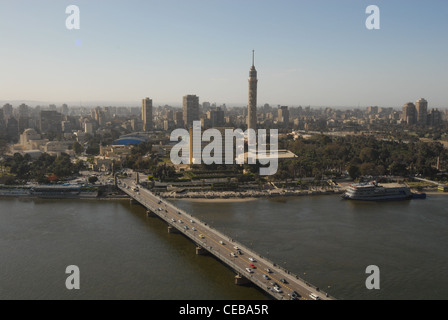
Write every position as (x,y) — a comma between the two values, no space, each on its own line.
(249,195)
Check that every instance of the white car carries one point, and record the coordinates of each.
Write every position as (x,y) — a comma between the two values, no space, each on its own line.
(249,270)
(277,289)
(252,259)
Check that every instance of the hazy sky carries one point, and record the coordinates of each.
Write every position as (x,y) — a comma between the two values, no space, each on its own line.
(307,52)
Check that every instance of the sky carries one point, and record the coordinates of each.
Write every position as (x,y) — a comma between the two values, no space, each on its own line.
(307,52)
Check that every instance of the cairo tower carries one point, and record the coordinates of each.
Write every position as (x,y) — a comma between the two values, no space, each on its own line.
(252,108)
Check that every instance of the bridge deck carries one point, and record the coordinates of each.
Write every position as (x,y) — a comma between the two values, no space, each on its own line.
(247,263)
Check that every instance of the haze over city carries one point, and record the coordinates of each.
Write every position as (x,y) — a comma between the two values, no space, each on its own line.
(316,53)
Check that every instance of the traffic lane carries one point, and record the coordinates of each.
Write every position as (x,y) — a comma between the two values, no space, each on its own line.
(245,262)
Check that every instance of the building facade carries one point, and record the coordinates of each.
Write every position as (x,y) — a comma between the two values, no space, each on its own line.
(190,109)
(421,107)
(147,114)
(409,113)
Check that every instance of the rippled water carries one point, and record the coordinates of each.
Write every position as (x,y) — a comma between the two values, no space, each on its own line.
(122,254)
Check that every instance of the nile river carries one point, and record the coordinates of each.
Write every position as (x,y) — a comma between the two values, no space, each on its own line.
(122,254)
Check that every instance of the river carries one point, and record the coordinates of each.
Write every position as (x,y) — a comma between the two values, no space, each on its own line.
(122,254)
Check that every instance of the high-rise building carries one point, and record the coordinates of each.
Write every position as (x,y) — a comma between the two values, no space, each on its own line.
(216,117)
(99,116)
(147,114)
(372,110)
(64,109)
(252,107)
(88,127)
(2,123)
(409,113)
(422,111)
(178,119)
(283,115)
(23,123)
(50,121)
(190,109)
(434,118)
(7,111)
(12,129)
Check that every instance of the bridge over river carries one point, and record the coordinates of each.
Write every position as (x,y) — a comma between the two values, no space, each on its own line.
(247,264)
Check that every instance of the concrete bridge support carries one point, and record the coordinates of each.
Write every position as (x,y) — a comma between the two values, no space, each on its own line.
(201,251)
(241,281)
(150,214)
(171,229)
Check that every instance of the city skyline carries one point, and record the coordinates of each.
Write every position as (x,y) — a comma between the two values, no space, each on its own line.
(317,54)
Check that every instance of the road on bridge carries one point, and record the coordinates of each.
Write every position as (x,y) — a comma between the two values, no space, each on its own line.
(265,274)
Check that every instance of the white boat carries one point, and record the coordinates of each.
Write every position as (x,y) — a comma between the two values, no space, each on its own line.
(373,192)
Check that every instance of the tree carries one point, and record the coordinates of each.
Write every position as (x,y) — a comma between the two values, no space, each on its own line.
(93,179)
(354,171)
(78,148)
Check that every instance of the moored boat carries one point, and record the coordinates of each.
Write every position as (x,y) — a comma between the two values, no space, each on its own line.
(371,191)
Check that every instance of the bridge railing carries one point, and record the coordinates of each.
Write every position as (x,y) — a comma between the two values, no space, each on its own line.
(209,248)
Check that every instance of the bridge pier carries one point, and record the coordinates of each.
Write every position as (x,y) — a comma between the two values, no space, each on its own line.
(201,251)
(171,229)
(132,201)
(150,214)
(240,280)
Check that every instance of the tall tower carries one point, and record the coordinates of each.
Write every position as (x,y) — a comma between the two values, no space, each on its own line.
(147,114)
(252,107)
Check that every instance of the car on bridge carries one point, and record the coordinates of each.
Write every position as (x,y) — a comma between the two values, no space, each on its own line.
(249,270)
(314,296)
(252,259)
(294,295)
